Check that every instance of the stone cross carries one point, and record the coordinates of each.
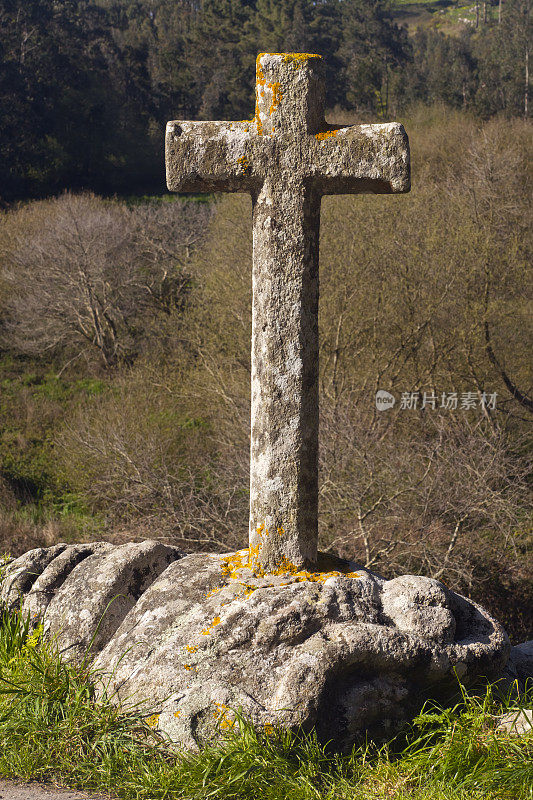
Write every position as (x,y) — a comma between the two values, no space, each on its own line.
(286,157)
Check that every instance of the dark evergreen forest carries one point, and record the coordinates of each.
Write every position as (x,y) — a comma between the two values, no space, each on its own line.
(86,86)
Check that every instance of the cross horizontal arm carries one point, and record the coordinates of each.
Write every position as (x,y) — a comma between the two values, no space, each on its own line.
(232,156)
(209,156)
(362,158)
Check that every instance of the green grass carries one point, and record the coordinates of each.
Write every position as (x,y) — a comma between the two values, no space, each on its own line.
(53,729)
(135,200)
(430,3)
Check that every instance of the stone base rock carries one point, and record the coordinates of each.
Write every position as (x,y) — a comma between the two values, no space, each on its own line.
(516,723)
(518,673)
(199,636)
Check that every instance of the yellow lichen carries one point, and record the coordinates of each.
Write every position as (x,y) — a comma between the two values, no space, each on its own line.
(300,57)
(213,591)
(257,121)
(248,559)
(177,713)
(276,96)
(244,164)
(326,134)
(208,630)
(258,69)
(153,720)
(187,666)
(260,80)
(296,59)
(236,561)
(191,649)
(221,713)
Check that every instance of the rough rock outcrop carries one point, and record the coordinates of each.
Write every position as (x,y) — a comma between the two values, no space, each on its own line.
(518,673)
(84,591)
(198,636)
(516,723)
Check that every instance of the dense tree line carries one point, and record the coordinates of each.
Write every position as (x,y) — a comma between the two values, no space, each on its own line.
(86,86)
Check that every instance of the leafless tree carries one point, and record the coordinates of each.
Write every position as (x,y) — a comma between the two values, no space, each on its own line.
(426,503)
(84,276)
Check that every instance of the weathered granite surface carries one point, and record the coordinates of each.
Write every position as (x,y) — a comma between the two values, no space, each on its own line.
(518,673)
(516,723)
(200,635)
(84,591)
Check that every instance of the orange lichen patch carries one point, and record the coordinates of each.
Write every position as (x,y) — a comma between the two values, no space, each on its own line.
(213,591)
(221,714)
(244,165)
(234,562)
(258,68)
(153,720)
(257,122)
(288,58)
(321,577)
(326,134)
(269,729)
(276,96)
(190,649)
(248,559)
(253,552)
(298,59)
(187,666)
(260,80)
(207,631)
(177,713)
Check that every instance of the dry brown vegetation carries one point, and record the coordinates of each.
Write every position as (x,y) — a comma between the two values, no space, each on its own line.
(425,293)
(82,275)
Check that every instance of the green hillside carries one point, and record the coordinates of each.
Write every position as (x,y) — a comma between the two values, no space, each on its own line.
(448,16)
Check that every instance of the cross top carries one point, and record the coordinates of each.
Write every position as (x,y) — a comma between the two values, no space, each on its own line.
(288,130)
(289,93)
(286,157)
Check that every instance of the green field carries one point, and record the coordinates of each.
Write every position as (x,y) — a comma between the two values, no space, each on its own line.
(446,15)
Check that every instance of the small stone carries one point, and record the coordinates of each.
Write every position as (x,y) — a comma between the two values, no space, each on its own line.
(518,673)
(516,723)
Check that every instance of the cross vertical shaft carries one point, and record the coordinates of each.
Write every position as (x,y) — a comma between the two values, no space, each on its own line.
(284,433)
